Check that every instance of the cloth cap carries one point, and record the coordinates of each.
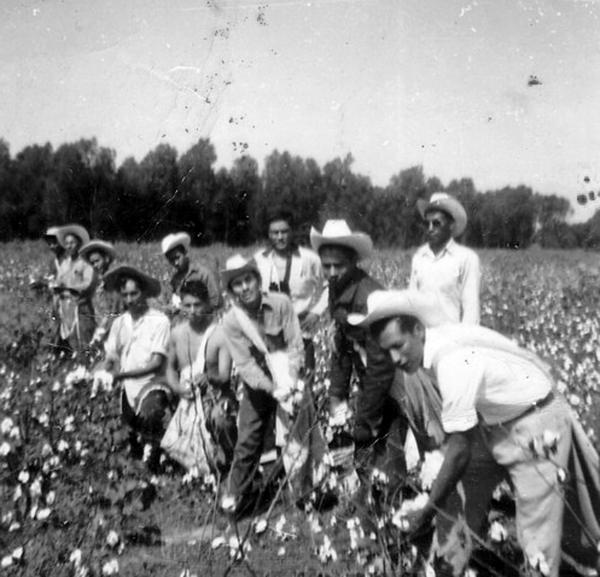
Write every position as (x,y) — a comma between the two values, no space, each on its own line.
(338,233)
(448,204)
(51,231)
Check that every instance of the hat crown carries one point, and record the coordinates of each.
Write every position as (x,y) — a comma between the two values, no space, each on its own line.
(174,240)
(235,262)
(335,228)
(440,196)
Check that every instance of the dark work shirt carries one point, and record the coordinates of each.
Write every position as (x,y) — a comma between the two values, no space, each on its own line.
(350,296)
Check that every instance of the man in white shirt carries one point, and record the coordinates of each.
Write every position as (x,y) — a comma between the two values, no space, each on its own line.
(295,271)
(442,265)
(136,352)
(503,419)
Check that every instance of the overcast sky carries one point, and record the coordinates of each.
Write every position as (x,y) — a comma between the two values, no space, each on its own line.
(439,83)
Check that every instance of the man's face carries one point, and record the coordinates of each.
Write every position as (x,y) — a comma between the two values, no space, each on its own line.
(439,228)
(336,263)
(280,235)
(177,258)
(98,261)
(194,308)
(132,295)
(246,289)
(405,348)
(72,245)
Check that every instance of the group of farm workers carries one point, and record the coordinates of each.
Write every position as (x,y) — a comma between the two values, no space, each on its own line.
(420,358)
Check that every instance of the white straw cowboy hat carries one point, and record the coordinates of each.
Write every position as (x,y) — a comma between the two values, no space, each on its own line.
(97,245)
(174,240)
(383,304)
(338,233)
(235,266)
(75,230)
(149,285)
(51,232)
(447,204)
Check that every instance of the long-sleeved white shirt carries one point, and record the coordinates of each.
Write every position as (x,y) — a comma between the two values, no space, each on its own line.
(454,274)
(306,281)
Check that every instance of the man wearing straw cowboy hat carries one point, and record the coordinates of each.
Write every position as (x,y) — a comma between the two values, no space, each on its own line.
(340,250)
(503,418)
(75,286)
(107,305)
(257,325)
(444,266)
(136,351)
(175,247)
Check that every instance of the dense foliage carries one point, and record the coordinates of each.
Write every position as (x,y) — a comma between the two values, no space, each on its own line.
(80,182)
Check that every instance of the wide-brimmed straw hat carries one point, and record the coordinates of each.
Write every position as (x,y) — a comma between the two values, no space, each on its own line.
(73,229)
(447,204)
(174,240)
(383,304)
(96,245)
(148,284)
(235,266)
(338,233)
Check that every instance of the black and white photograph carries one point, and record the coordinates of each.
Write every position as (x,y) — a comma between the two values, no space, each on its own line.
(300,288)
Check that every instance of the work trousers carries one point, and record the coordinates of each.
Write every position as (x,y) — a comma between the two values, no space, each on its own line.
(256,422)
(516,450)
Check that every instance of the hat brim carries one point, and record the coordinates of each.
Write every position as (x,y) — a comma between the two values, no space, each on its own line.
(424,306)
(451,207)
(75,230)
(98,246)
(182,240)
(359,242)
(149,285)
(228,275)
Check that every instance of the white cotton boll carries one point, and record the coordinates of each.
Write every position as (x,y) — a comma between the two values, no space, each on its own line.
(62,446)
(17,554)
(6,425)
(14,433)
(260,526)
(112,539)
(538,561)
(217,542)
(432,464)
(497,532)
(5,449)
(110,567)
(43,514)
(6,561)
(281,551)
(23,477)
(75,557)
(36,488)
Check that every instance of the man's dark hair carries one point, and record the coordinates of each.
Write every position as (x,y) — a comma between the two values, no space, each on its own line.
(196,288)
(278,214)
(350,253)
(407,324)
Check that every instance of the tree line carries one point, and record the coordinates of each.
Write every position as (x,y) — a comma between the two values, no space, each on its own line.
(142,201)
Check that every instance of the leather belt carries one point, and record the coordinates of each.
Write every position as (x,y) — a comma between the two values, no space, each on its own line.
(539,404)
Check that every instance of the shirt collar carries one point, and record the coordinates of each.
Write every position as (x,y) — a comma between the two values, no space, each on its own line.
(295,251)
(448,248)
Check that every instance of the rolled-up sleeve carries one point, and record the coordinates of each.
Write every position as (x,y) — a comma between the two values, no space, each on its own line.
(240,349)
(161,336)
